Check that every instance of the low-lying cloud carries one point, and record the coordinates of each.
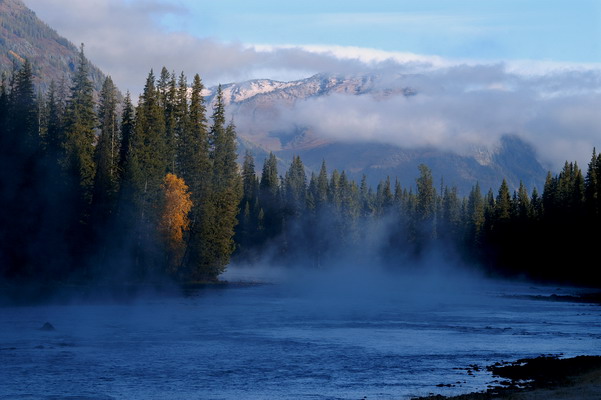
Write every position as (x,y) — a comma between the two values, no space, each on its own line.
(460,108)
(460,103)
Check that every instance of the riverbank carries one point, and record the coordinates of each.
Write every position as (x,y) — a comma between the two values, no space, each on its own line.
(541,378)
(61,292)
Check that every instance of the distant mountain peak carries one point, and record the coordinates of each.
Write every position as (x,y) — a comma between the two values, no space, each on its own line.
(255,104)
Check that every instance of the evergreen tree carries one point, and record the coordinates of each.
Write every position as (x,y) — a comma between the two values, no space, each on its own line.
(426,203)
(20,197)
(127,133)
(24,111)
(167,93)
(80,127)
(269,198)
(503,203)
(592,184)
(451,214)
(474,217)
(522,204)
(143,180)
(248,224)
(385,197)
(295,186)
(365,198)
(54,140)
(107,153)
(321,193)
(223,201)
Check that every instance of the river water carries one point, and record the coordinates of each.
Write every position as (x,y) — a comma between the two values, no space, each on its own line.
(392,338)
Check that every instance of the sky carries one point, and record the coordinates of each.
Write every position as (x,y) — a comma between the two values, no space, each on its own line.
(539,58)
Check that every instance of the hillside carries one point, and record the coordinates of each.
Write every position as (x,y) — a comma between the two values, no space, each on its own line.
(260,109)
(266,115)
(24,36)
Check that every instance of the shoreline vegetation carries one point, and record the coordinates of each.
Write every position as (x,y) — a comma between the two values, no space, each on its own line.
(540,378)
(94,188)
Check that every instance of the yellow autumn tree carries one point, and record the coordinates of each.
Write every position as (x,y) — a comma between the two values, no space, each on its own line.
(174,221)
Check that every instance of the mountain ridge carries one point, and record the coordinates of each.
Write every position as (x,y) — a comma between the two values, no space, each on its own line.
(24,36)
(252,102)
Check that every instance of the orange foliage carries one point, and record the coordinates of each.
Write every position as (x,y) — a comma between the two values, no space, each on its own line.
(176,207)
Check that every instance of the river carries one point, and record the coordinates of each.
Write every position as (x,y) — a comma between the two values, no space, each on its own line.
(387,339)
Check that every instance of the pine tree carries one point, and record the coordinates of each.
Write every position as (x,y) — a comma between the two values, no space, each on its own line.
(426,203)
(54,140)
(143,180)
(20,197)
(196,168)
(365,198)
(80,127)
(150,145)
(248,224)
(451,214)
(167,93)
(385,198)
(107,154)
(269,197)
(24,111)
(321,194)
(223,200)
(522,204)
(127,133)
(503,203)
(295,186)
(474,217)
(592,184)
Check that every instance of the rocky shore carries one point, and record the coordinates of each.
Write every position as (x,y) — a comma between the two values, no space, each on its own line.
(541,378)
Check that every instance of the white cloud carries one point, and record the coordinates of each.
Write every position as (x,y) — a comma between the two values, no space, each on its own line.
(460,103)
(460,108)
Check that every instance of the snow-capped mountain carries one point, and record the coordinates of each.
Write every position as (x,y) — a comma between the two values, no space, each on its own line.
(266,116)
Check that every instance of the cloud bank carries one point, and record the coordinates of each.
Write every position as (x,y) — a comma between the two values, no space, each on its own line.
(460,103)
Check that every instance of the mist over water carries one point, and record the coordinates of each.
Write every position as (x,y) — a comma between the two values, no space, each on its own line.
(342,333)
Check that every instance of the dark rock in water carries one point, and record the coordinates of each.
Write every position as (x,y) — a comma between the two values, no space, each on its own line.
(48,327)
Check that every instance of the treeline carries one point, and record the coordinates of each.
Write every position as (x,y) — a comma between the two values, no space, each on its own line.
(326,218)
(94,189)
(99,189)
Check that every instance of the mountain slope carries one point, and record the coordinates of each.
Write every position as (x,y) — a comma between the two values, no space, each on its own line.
(24,36)
(255,105)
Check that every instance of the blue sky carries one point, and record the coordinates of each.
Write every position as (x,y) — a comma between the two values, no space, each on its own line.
(567,31)
(487,67)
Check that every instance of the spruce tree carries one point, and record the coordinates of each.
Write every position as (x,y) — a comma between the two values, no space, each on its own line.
(592,187)
(503,203)
(80,127)
(223,200)
(106,153)
(143,180)
(127,133)
(24,111)
(269,197)
(247,227)
(167,93)
(426,202)
(54,140)
(295,188)
(20,196)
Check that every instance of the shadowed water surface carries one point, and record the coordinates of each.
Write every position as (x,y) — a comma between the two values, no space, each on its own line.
(285,341)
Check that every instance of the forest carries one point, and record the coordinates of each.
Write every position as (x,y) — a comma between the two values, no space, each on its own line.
(94,188)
